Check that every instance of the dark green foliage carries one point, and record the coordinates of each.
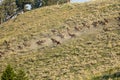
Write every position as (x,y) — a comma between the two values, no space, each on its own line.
(114,76)
(8,74)
(2,16)
(7,9)
(45,2)
(20,3)
(9,6)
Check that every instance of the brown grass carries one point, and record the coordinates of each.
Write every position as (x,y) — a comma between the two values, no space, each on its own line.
(93,51)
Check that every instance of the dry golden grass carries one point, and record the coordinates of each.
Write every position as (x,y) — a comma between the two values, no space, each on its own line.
(86,42)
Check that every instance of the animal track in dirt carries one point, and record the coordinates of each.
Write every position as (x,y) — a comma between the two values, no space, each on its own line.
(58,37)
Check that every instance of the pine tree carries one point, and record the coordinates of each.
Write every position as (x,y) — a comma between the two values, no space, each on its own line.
(2,14)
(37,3)
(45,2)
(9,7)
(8,74)
(20,3)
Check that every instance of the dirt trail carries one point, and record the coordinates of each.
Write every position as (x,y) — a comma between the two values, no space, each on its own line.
(56,37)
(66,34)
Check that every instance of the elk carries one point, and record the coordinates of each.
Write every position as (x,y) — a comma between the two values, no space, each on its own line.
(95,24)
(106,20)
(40,42)
(7,44)
(71,34)
(55,41)
(84,24)
(101,22)
(77,28)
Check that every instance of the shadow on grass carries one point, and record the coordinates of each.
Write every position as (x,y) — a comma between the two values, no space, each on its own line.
(114,76)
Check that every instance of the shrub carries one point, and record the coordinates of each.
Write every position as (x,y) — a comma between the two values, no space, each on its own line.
(9,74)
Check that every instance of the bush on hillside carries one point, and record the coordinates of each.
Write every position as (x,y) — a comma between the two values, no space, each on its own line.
(9,74)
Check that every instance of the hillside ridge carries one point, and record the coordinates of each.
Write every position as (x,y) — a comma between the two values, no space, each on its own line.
(66,42)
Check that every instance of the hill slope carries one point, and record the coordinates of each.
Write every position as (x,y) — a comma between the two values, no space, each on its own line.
(66,42)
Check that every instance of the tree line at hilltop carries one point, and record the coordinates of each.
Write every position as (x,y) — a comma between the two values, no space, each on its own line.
(9,7)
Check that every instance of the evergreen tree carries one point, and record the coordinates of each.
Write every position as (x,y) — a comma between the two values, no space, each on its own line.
(45,2)
(9,7)
(21,3)
(8,74)
(37,3)
(2,14)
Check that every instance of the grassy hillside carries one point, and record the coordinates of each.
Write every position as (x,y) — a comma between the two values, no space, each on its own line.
(64,42)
